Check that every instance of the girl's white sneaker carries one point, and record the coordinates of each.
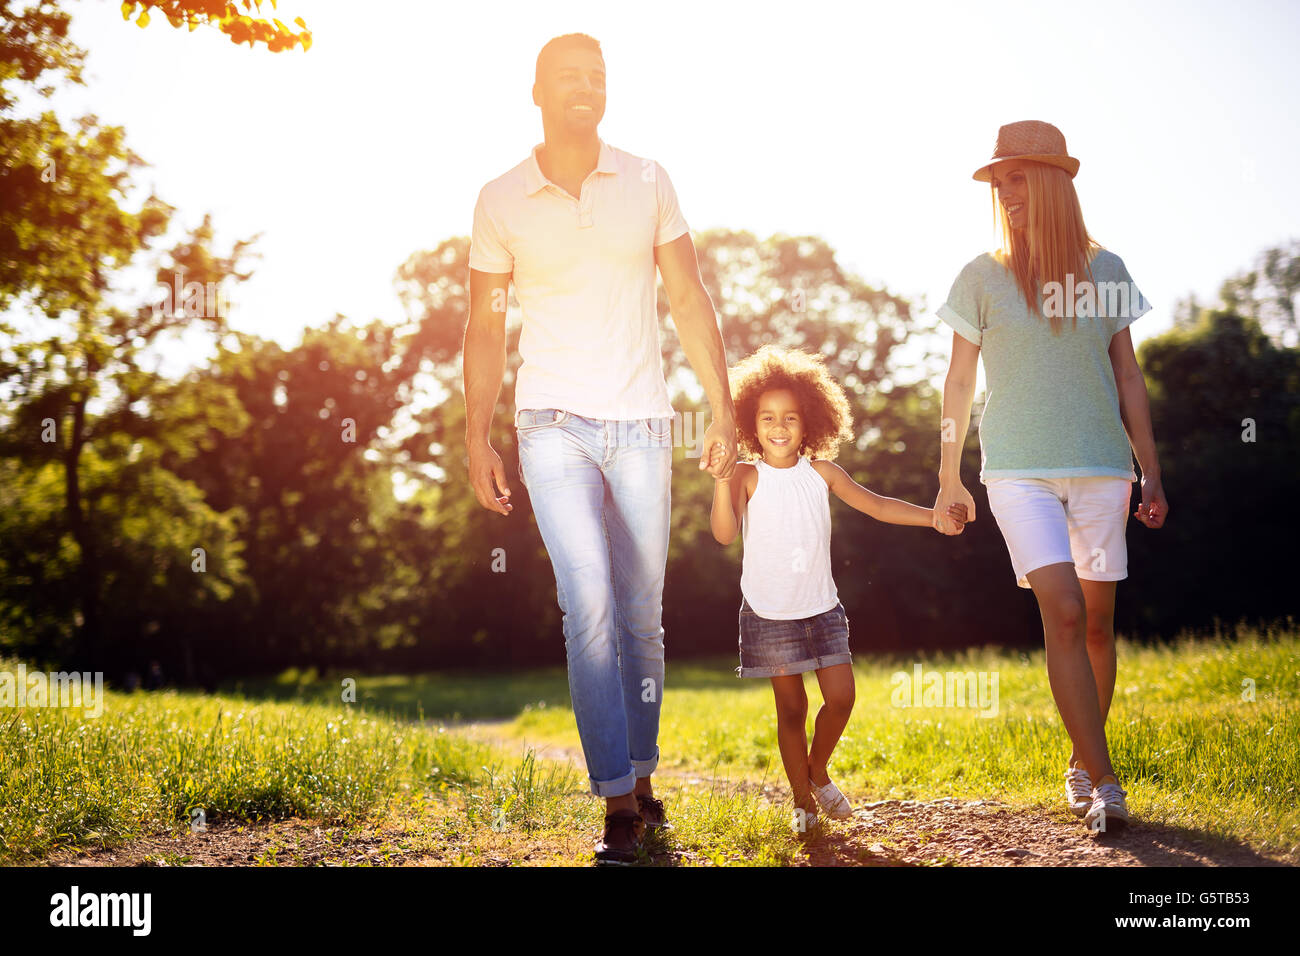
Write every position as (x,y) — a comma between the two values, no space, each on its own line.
(1078,790)
(831,800)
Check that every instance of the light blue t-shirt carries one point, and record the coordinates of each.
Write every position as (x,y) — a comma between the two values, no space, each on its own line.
(1052,408)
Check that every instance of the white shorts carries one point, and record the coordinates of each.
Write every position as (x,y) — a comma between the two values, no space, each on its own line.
(1053,520)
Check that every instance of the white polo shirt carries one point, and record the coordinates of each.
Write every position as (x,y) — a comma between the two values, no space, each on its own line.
(584,275)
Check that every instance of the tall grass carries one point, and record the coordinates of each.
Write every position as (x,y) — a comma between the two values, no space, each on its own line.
(1204,733)
(160,761)
(1193,745)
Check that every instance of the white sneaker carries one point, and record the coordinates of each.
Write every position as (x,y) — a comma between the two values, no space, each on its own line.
(1108,810)
(831,800)
(805,822)
(1078,790)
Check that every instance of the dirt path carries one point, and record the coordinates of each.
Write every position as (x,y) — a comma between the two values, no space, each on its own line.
(883,833)
(951,831)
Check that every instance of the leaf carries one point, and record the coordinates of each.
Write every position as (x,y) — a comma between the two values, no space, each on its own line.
(127,7)
(306,42)
(143,20)
(300,22)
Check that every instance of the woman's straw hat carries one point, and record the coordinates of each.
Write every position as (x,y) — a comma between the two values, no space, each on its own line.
(1030,139)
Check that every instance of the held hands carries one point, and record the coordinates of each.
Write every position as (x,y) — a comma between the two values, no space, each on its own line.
(719,454)
(956,515)
(485,467)
(952,509)
(1154,508)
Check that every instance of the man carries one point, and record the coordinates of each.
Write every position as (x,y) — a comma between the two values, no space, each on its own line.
(580,227)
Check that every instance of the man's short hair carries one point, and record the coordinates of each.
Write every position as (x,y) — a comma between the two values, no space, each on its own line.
(569,39)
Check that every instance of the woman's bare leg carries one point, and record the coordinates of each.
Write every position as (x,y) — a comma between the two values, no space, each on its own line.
(1099,597)
(1069,670)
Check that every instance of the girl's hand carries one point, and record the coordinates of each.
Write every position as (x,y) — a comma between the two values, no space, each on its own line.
(716,457)
(1154,508)
(720,436)
(956,518)
(951,496)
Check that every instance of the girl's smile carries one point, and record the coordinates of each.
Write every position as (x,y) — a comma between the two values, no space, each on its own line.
(779,426)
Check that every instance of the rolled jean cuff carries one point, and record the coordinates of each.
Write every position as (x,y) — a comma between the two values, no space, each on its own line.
(614,788)
(644,768)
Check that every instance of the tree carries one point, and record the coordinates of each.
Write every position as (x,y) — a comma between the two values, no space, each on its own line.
(66,230)
(1225,407)
(32,44)
(785,289)
(224,15)
(1267,293)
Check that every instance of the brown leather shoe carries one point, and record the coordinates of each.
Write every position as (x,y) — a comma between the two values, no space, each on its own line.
(652,812)
(624,830)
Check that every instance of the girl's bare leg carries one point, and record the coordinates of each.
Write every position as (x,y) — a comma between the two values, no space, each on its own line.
(1069,670)
(791,737)
(838,694)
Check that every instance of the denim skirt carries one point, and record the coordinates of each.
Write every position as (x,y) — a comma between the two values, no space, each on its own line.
(771,648)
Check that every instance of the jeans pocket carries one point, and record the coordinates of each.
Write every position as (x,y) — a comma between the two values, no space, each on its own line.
(529,420)
(658,430)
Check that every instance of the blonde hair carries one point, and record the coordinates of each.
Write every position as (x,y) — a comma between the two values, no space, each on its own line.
(1055,241)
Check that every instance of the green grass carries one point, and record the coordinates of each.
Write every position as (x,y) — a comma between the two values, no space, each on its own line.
(1193,753)
(149,761)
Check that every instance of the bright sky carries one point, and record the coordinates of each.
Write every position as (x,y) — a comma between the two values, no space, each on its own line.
(860,123)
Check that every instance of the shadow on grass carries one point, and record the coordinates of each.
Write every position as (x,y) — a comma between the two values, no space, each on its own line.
(459,695)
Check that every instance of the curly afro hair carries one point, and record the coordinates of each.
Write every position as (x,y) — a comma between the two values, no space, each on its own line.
(828,420)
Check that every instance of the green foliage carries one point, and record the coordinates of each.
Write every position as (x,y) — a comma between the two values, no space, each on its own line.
(34,42)
(1225,407)
(327,486)
(76,397)
(1267,293)
(223,15)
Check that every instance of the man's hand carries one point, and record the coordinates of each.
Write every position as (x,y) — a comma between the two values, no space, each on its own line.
(718,457)
(1154,509)
(485,467)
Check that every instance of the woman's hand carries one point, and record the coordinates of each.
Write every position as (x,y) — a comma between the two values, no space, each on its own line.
(1154,508)
(952,497)
(956,517)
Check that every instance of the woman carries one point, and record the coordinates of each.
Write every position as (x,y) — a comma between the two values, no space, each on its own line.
(1050,314)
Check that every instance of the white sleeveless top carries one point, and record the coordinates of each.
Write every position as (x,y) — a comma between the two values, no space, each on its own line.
(786,570)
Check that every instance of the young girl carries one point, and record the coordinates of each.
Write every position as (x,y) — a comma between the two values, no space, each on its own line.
(791,416)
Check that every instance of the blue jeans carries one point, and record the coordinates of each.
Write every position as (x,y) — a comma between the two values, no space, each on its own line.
(600,491)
